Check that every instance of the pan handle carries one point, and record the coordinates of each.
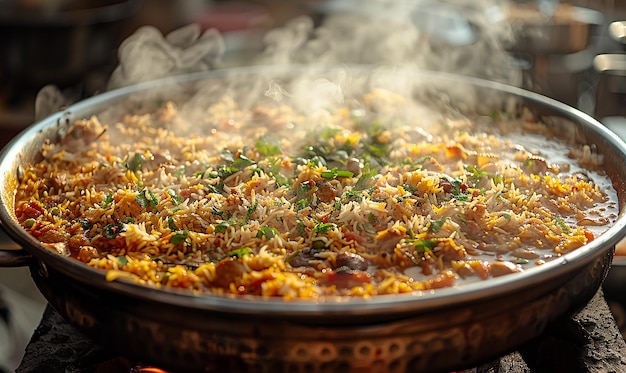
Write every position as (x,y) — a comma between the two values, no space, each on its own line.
(14,258)
(11,254)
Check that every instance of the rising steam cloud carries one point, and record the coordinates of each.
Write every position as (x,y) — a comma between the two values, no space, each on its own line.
(461,36)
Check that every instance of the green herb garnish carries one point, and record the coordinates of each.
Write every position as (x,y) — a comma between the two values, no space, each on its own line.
(239,253)
(146,198)
(171,223)
(435,225)
(266,147)
(111,231)
(323,227)
(335,173)
(107,201)
(267,232)
(222,227)
(136,162)
(123,260)
(181,237)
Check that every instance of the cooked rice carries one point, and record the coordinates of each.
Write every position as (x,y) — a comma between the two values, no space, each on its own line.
(263,202)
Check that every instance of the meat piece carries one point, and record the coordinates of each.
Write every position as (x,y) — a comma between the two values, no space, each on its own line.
(158,160)
(535,164)
(52,236)
(326,192)
(77,241)
(31,210)
(467,268)
(345,279)
(355,166)
(443,279)
(302,258)
(502,268)
(351,261)
(227,272)
(81,134)
(387,239)
(86,253)
(59,247)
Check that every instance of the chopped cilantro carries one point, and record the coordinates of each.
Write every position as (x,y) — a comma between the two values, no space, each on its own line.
(423,245)
(86,224)
(146,198)
(222,227)
(562,225)
(266,147)
(300,227)
(317,161)
(242,162)
(175,198)
(335,173)
(365,180)
(435,225)
(171,223)
(251,211)
(267,232)
(302,203)
(323,227)
(476,172)
(352,194)
(274,171)
(30,222)
(111,231)
(123,260)
(423,159)
(181,237)
(372,219)
(239,253)
(329,133)
(136,162)
(459,190)
(179,172)
(107,201)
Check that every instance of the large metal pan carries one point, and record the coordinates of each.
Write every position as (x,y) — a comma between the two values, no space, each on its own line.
(443,330)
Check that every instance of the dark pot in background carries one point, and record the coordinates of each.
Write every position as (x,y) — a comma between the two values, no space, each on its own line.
(58,42)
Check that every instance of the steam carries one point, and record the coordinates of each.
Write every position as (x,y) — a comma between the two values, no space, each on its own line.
(464,36)
(459,36)
(148,55)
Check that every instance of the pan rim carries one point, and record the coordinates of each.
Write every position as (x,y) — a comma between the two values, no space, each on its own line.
(410,303)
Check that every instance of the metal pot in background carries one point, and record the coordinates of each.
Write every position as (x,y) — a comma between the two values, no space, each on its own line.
(58,42)
(554,45)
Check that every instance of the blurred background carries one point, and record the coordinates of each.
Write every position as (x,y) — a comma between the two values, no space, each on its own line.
(573,51)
